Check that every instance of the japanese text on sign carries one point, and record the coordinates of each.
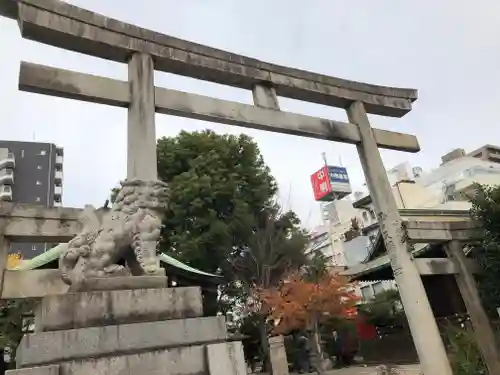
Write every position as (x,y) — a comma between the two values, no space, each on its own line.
(320,182)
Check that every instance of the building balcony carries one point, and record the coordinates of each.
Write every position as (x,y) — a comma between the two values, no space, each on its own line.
(58,191)
(6,177)
(59,160)
(58,177)
(9,161)
(5,193)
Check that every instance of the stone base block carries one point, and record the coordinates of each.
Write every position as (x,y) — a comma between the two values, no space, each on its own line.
(277,354)
(120,283)
(226,358)
(102,308)
(44,370)
(189,360)
(78,344)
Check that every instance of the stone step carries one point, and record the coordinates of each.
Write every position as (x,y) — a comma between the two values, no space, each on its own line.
(189,360)
(101,308)
(42,348)
(43,370)
(210,359)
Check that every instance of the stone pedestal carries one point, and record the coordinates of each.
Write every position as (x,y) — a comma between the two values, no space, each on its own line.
(154,331)
(277,354)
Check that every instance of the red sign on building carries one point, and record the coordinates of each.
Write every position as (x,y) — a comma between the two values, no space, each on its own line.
(320,182)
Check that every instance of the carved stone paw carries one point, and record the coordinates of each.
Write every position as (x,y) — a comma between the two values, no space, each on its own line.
(114,269)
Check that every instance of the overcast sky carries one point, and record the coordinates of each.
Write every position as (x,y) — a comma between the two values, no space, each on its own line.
(448,49)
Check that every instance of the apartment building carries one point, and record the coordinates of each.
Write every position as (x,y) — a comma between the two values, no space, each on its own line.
(448,187)
(319,240)
(487,153)
(31,172)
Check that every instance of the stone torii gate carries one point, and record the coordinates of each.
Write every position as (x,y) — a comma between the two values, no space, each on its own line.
(62,25)
(451,236)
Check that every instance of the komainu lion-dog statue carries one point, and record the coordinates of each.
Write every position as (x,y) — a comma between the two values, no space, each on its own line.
(129,232)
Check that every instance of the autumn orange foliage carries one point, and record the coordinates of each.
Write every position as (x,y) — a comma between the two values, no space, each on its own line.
(297,303)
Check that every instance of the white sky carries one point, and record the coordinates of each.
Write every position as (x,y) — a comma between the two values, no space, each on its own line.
(447,49)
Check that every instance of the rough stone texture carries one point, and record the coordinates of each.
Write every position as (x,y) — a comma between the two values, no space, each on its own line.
(43,370)
(130,230)
(121,283)
(226,359)
(90,309)
(32,284)
(64,83)
(141,138)
(58,346)
(188,360)
(66,26)
(265,97)
(277,354)
(36,223)
(175,346)
(422,323)
(483,330)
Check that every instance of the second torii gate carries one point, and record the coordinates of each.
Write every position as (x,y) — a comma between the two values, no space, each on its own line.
(62,25)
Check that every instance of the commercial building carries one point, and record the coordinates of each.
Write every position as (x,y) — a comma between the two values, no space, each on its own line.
(446,189)
(319,240)
(487,153)
(31,172)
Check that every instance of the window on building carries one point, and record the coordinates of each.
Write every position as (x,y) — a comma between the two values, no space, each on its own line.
(43,152)
(57,199)
(38,167)
(372,214)
(334,214)
(367,292)
(38,183)
(33,247)
(449,193)
(378,288)
(38,199)
(365,216)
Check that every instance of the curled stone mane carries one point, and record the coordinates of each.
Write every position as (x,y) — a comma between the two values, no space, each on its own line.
(138,194)
(130,231)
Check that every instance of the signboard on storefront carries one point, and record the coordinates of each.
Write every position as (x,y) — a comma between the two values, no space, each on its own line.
(320,182)
(330,183)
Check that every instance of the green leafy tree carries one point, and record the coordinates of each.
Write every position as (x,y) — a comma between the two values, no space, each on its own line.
(463,352)
(276,247)
(486,211)
(384,310)
(316,267)
(15,320)
(219,184)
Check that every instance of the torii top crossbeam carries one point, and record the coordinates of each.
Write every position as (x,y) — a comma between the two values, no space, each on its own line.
(63,25)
